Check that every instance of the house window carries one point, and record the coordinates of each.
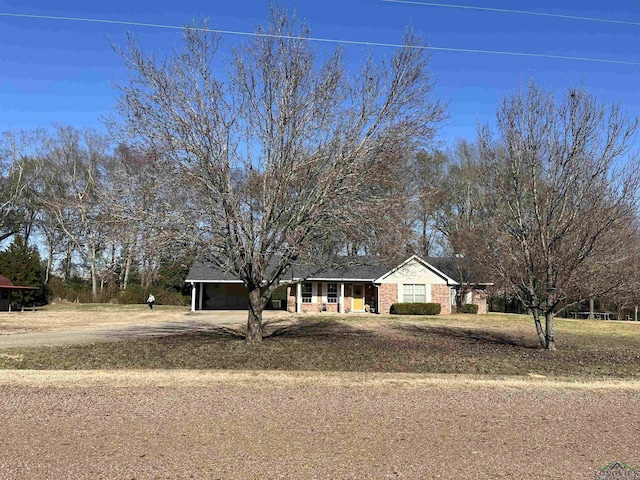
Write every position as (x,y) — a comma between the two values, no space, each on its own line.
(307,292)
(414,293)
(332,293)
(468,299)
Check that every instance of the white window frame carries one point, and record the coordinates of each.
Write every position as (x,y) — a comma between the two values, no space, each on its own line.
(332,297)
(306,296)
(424,296)
(468,299)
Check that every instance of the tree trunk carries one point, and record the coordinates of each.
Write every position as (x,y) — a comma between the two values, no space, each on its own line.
(94,275)
(539,331)
(591,308)
(127,268)
(49,265)
(635,313)
(254,322)
(68,261)
(550,339)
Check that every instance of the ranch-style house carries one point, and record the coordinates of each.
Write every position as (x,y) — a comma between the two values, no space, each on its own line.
(367,285)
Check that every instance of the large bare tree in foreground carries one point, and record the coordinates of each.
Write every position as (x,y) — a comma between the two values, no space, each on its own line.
(557,198)
(277,150)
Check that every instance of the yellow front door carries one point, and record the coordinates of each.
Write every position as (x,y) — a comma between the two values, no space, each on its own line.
(358,298)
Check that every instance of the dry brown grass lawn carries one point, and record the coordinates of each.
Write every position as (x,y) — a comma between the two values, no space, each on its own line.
(502,345)
(325,397)
(257,425)
(65,316)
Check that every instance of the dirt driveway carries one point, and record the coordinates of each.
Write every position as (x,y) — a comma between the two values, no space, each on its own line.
(267,425)
(68,326)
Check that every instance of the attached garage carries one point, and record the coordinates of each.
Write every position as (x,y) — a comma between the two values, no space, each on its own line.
(224,296)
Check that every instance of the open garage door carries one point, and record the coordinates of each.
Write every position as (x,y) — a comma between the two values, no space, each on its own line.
(225,296)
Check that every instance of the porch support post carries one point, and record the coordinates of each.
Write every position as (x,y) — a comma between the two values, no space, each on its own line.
(342,298)
(201,295)
(193,297)
(298,297)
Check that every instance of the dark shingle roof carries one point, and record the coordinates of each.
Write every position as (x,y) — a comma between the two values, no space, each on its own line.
(351,268)
(205,271)
(360,268)
(460,269)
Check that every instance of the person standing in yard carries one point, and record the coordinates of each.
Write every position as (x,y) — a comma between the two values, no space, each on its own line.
(150,301)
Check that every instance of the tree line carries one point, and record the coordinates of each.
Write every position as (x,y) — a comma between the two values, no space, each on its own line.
(286,157)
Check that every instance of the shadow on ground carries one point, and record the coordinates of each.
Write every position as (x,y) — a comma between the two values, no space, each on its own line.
(276,328)
(172,329)
(312,328)
(473,336)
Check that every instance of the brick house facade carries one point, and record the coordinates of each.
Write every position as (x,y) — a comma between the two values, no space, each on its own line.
(359,287)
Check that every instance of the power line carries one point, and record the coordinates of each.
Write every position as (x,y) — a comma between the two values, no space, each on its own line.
(520,12)
(321,39)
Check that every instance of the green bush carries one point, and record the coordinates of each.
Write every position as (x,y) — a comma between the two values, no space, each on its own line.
(469,308)
(416,308)
(136,293)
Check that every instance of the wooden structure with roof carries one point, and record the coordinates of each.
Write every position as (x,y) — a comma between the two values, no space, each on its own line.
(6,287)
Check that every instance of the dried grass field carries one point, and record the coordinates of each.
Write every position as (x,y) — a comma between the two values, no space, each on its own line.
(267,425)
(66,316)
(326,397)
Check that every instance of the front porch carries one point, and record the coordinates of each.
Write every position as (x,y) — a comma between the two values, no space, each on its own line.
(336,297)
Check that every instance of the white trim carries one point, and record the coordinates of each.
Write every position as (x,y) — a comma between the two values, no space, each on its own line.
(213,281)
(341,297)
(298,297)
(193,297)
(334,280)
(450,281)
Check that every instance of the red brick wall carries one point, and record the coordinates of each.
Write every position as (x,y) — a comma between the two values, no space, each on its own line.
(310,307)
(291,298)
(388,296)
(440,294)
(479,297)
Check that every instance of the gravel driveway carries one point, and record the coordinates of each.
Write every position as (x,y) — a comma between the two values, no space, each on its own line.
(250,425)
(133,325)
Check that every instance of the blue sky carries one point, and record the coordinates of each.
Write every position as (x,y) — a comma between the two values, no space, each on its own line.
(63,71)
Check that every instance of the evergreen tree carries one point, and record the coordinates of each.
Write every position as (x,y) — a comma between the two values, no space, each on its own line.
(21,264)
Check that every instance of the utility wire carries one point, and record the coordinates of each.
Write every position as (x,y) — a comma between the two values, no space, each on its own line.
(520,12)
(319,39)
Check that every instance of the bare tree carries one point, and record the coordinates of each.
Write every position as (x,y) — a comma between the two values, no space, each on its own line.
(557,184)
(275,152)
(74,163)
(428,198)
(18,171)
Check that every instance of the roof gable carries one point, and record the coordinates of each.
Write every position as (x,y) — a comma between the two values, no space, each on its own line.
(416,270)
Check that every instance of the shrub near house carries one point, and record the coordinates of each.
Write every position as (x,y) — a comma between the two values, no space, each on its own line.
(416,308)
(469,308)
